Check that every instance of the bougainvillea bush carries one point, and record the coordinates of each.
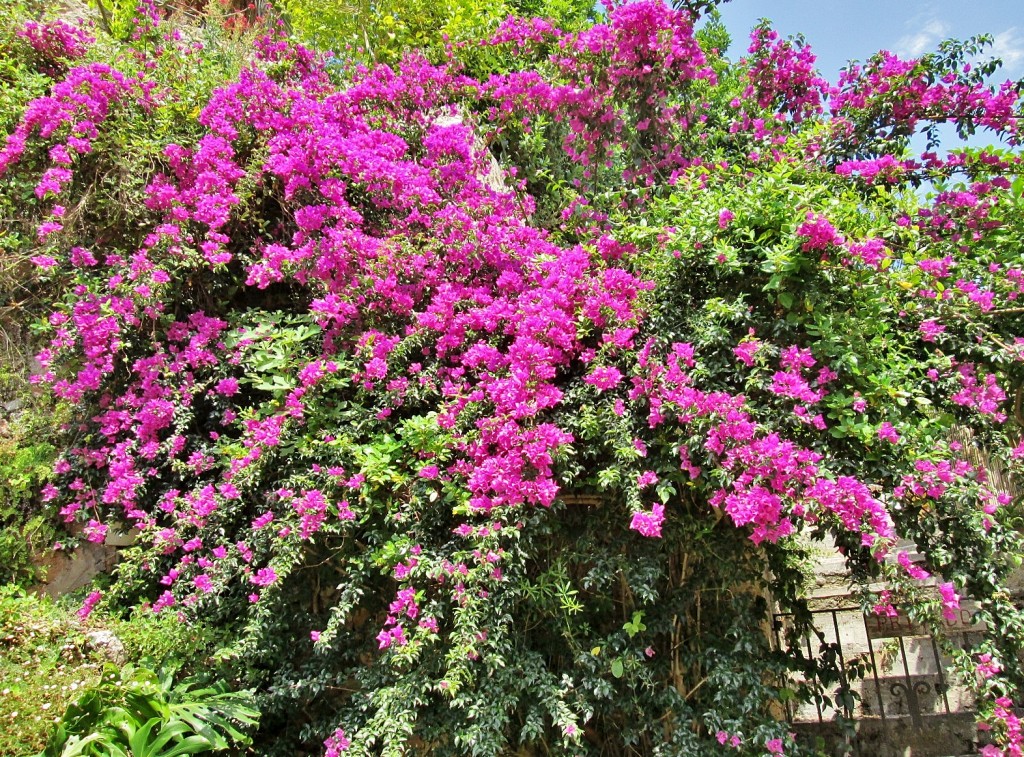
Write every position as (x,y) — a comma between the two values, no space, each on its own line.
(496,413)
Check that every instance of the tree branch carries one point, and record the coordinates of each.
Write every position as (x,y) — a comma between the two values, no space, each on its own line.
(105,20)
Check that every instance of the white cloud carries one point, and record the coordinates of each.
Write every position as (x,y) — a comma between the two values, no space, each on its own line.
(1009,46)
(925,30)
(924,37)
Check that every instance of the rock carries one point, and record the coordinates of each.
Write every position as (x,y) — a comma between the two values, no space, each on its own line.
(494,178)
(108,646)
(121,538)
(65,573)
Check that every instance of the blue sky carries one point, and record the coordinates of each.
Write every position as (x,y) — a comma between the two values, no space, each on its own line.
(839,31)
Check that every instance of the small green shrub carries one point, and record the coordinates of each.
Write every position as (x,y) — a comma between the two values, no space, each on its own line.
(146,635)
(26,529)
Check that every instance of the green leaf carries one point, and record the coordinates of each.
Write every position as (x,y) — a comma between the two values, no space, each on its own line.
(617,670)
(194,744)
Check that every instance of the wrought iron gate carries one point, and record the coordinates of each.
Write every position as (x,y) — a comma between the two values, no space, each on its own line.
(906,677)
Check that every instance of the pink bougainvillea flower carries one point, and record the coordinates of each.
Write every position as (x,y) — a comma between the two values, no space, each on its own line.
(746,350)
(950,601)
(913,570)
(95,531)
(263,577)
(887,432)
(987,667)
(336,744)
(649,523)
(90,602)
(604,378)
(930,330)
(647,478)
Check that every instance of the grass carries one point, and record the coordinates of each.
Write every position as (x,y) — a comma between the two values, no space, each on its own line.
(45,663)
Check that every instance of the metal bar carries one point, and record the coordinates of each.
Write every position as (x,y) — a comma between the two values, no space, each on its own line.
(776,625)
(817,701)
(903,658)
(874,672)
(911,692)
(844,684)
(942,678)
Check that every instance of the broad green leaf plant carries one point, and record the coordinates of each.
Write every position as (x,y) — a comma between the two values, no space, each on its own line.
(136,711)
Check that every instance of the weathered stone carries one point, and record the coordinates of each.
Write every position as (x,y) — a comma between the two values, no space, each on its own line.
(108,646)
(65,573)
(494,178)
(121,538)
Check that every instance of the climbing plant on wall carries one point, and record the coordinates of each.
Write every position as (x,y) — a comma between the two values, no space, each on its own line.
(495,411)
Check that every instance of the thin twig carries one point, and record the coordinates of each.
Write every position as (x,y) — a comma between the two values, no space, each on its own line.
(105,21)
